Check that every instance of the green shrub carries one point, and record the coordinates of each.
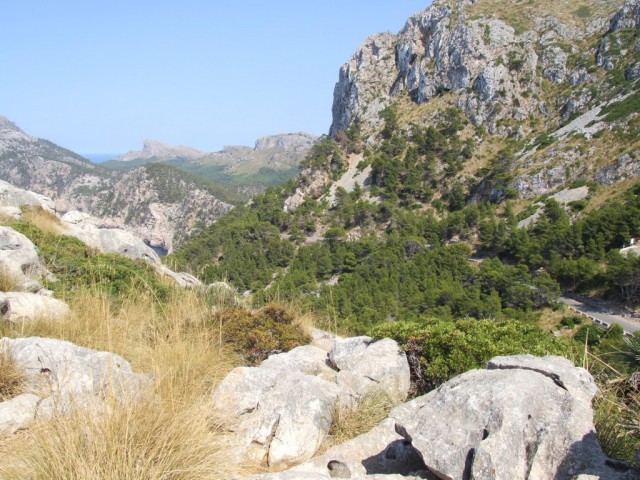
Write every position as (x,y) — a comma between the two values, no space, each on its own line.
(76,265)
(571,321)
(591,334)
(623,108)
(439,350)
(257,334)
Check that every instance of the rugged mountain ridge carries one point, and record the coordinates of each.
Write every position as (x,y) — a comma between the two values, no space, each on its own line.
(492,58)
(248,170)
(155,149)
(159,203)
(553,84)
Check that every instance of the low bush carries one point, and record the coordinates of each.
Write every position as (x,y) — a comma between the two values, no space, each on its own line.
(257,334)
(76,265)
(350,422)
(571,321)
(439,350)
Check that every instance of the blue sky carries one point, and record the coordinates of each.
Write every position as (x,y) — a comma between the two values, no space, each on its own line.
(100,76)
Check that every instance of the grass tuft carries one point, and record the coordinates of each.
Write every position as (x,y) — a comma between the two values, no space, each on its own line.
(349,422)
(44,220)
(8,282)
(151,439)
(11,377)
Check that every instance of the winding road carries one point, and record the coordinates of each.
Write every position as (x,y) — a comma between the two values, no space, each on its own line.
(601,316)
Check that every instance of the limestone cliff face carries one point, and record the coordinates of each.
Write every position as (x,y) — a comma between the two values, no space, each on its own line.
(159,203)
(543,77)
(493,65)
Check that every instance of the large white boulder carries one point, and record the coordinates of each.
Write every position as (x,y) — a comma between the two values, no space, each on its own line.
(18,412)
(366,366)
(26,307)
(19,260)
(85,228)
(107,240)
(64,376)
(521,417)
(284,407)
(12,198)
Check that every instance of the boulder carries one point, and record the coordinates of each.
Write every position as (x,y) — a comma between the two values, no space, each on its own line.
(26,307)
(276,427)
(85,228)
(18,412)
(365,366)
(521,417)
(107,240)
(284,407)
(12,198)
(19,259)
(64,376)
(380,452)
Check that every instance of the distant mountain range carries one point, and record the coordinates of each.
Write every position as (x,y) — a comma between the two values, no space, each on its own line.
(247,170)
(149,196)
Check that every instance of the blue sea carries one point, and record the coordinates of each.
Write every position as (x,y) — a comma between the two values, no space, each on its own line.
(100,157)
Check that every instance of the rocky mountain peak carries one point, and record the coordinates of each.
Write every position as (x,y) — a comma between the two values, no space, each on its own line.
(365,80)
(6,124)
(154,148)
(490,62)
(287,142)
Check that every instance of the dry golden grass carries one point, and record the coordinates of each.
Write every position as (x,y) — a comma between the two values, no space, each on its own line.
(44,220)
(11,377)
(519,13)
(169,434)
(550,318)
(8,282)
(348,423)
(152,439)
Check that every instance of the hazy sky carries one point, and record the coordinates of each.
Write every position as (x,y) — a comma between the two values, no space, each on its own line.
(100,76)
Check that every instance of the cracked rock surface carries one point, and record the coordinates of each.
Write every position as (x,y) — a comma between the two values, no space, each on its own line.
(521,417)
(59,376)
(285,406)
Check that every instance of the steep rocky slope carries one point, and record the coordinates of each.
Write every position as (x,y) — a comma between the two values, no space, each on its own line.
(161,204)
(555,82)
(248,170)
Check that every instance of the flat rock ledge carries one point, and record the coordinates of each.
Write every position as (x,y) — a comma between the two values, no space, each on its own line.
(61,376)
(522,417)
(284,407)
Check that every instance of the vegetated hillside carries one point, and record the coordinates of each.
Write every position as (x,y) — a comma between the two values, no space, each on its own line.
(444,137)
(245,170)
(480,162)
(161,204)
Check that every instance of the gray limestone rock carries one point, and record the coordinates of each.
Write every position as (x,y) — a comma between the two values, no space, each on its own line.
(62,376)
(12,197)
(632,72)
(19,259)
(554,63)
(283,417)
(114,240)
(367,367)
(627,17)
(18,412)
(365,83)
(27,306)
(626,166)
(522,417)
(284,407)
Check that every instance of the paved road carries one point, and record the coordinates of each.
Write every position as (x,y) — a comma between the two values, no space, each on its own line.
(600,316)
